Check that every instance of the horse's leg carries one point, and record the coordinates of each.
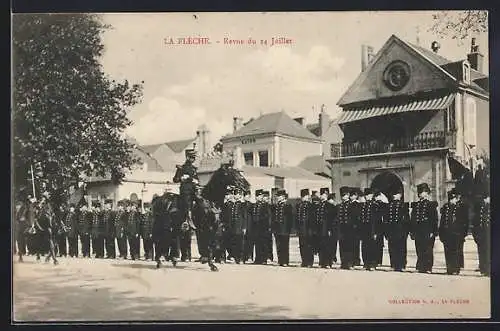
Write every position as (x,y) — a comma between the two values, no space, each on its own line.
(211,264)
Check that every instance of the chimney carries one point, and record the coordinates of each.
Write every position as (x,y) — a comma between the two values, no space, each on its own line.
(435,46)
(324,121)
(236,123)
(203,138)
(300,120)
(366,56)
(475,58)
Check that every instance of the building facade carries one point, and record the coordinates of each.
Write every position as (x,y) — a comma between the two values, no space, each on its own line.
(406,114)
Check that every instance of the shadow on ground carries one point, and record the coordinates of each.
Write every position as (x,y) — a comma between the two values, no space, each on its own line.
(41,299)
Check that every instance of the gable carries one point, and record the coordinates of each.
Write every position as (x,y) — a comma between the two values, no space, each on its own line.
(166,157)
(424,74)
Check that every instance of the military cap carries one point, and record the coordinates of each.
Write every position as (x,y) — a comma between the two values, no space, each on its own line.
(147,204)
(304,192)
(190,152)
(368,191)
(331,196)
(324,190)
(354,191)
(423,187)
(266,193)
(314,192)
(280,192)
(452,193)
(258,192)
(344,190)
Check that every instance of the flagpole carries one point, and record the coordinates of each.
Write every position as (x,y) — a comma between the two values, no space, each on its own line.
(33,181)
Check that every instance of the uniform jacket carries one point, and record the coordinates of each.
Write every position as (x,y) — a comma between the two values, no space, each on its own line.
(165,215)
(121,222)
(481,222)
(187,186)
(343,215)
(99,223)
(371,217)
(454,221)
(235,216)
(111,224)
(85,222)
(260,216)
(354,214)
(46,217)
(396,219)
(424,218)
(134,223)
(322,222)
(282,218)
(147,225)
(71,223)
(304,217)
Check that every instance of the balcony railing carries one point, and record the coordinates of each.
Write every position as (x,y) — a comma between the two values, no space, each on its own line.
(425,140)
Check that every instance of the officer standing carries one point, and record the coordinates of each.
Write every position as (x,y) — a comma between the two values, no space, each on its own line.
(261,218)
(282,219)
(99,228)
(304,220)
(396,227)
(452,231)
(355,213)
(227,239)
(324,226)
(84,228)
(481,231)
(237,224)
(147,232)
(121,224)
(370,224)
(333,211)
(424,228)
(71,223)
(247,227)
(133,230)
(346,230)
(110,231)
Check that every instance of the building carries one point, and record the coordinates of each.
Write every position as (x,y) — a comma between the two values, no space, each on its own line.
(407,112)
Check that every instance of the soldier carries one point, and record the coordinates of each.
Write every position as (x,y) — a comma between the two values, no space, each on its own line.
(198,218)
(261,223)
(61,231)
(304,220)
(84,229)
(334,220)
(22,224)
(147,232)
(237,223)
(382,203)
(187,176)
(452,231)
(424,228)
(481,231)
(370,223)
(71,223)
(121,225)
(98,231)
(247,227)
(324,228)
(282,219)
(269,232)
(46,220)
(166,216)
(346,230)
(133,228)
(356,197)
(396,227)
(110,231)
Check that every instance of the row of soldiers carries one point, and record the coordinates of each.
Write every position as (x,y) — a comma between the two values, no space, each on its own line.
(101,229)
(357,226)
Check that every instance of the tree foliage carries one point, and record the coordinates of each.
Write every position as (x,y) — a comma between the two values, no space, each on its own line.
(460,24)
(68,117)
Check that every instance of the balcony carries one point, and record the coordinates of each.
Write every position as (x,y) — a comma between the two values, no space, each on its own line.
(422,141)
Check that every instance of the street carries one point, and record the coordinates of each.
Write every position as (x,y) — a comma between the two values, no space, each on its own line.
(110,290)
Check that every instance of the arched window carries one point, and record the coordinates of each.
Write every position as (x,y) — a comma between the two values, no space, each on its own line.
(470,122)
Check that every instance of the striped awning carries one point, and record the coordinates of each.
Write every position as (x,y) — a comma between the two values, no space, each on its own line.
(360,113)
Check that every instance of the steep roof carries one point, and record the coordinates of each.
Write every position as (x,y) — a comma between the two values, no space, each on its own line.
(316,164)
(151,148)
(179,145)
(273,123)
(285,172)
(148,159)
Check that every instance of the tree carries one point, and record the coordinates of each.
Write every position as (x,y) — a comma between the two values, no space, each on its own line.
(460,24)
(69,117)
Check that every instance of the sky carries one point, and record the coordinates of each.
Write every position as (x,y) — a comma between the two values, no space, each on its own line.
(186,86)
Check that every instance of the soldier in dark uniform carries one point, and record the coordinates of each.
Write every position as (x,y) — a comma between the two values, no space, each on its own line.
(110,231)
(452,231)
(187,176)
(304,220)
(237,223)
(133,230)
(61,232)
(396,227)
(71,223)
(356,195)
(98,231)
(261,220)
(147,232)
(84,229)
(424,228)
(121,225)
(282,219)
(333,211)
(227,246)
(269,233)
(382,203)
(247,227)
(46,220)
(324,227)
(198,218)
(22,224)
(346,230)
(370,223)
(166,217)
(481,225)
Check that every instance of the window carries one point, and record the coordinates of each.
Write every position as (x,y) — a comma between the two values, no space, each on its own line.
(335,150)
(466,72)
(450,118)
(263,159)
(248,156)
(470,122)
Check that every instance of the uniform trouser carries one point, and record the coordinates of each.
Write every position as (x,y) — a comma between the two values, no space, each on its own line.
(326,250)
(483,251)
(202,242)
(73,245)
(461,253)
(21,241)
(147,243)
(397,250)
(248,246)
(237,246)
(110,247)
(346,245)
(357,248)
(30,243)
(61,244)
(451,245)
(122,246)
(315,243)
(282,248)
(85,241)
(270,254)
(164,246)
(424,246)
(185,243)
(134,244)
(227,243)
(306,251)
(261,246)
(98,245)
(379,249)
(368,248)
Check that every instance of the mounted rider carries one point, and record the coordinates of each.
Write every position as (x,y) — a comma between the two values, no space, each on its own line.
(187,176)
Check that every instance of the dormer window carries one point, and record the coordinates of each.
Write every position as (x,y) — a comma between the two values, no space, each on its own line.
(466,72)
